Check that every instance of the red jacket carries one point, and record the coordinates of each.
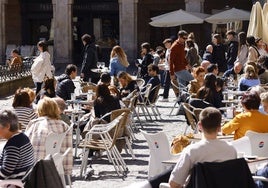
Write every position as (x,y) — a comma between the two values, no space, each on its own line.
(177,58)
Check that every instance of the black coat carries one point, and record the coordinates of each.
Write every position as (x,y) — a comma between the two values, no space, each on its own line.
(218,57)
(147,60)
(44,174)
(65,87)
(89,62)
(232,52)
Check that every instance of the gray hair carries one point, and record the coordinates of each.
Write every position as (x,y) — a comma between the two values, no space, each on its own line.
(264,97)
(8,117)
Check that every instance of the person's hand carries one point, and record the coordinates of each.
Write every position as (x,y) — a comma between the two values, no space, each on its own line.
(82,75)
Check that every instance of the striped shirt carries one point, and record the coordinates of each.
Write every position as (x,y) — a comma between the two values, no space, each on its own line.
(17,157)
(38,130)
(25,115)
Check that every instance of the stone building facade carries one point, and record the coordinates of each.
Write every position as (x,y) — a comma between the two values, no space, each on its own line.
(124,22)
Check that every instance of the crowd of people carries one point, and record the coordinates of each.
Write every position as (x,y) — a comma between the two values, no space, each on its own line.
(240,61)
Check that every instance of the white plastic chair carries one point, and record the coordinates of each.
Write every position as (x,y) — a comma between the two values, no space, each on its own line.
(258,143)
(53,145)
(242,145)
(159,151)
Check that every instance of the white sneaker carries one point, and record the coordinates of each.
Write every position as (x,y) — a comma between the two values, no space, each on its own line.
(163,100)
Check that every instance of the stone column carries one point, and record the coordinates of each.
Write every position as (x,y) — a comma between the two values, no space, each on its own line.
(194,5)
(2,30)
(63,35)
(128,27)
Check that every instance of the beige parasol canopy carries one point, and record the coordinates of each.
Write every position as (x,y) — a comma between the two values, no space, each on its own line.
(255,26)
(175,18)
(265,22)
(227,16)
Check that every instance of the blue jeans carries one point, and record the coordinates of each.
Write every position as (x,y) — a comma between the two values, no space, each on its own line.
(183,77)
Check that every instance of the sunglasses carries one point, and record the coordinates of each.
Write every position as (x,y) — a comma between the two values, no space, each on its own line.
(185,38)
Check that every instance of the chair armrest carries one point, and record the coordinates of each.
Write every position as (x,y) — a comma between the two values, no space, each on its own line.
(260,178)
(164,185)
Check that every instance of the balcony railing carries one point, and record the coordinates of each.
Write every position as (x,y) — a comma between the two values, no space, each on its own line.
(9,73)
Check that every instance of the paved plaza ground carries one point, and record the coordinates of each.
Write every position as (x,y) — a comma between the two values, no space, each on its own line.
(104,173)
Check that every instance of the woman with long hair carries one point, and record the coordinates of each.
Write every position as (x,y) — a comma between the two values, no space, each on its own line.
(209,92)
(105,102)
(118,62)
(197,82)
(242,56)
(253,53)
(127,84)
(249,79)
(41,67)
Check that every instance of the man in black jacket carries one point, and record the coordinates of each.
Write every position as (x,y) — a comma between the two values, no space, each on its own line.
(89,59)
(65,85)
(232,49)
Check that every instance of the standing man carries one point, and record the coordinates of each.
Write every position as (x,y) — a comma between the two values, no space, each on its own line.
(232,50)
(89,59)
(178,63)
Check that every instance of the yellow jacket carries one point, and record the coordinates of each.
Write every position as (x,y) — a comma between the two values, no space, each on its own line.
(252,120)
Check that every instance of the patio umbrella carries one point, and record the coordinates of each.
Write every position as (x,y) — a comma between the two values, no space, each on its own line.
(265,22)
(175,18)
(198,14)
(255,26)
(228,16)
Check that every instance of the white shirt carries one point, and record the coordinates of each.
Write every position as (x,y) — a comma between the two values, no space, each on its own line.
(204,151)
(41,67)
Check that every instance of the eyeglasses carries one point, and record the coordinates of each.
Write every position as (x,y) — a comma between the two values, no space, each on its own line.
(185,38)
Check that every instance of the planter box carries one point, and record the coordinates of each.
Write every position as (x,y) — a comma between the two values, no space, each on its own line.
(9,87)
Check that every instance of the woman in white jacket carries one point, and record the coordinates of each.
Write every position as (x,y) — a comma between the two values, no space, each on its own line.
(41,66)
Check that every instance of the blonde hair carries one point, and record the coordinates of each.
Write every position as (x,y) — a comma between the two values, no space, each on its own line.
(31,93)
(250,72)
(125,76)
(119,52)
(48,107)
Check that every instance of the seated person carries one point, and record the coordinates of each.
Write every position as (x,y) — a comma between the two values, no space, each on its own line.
(209,92)
(15,62)
(263,61)
(153,71)
(49,121)
(233,72)
(62,106)
(127,84)
(105,78)
(65,85)
(208,53)
(48,90)
(209,124)
(264,103)
(249,79)
(198,81)
(105,102)
(262,172)
(213,68)
(251,119)
(18,154)
(22,107)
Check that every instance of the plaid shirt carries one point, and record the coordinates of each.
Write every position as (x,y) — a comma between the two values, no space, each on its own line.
(38,130)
